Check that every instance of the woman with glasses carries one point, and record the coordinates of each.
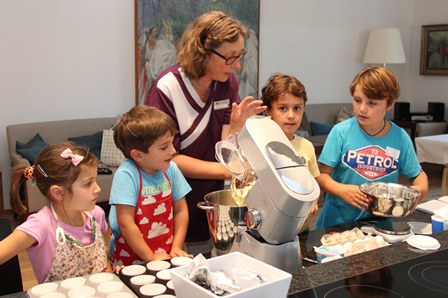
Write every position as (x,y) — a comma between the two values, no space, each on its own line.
(201,94)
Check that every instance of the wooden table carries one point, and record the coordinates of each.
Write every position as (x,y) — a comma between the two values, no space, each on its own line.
(434,149)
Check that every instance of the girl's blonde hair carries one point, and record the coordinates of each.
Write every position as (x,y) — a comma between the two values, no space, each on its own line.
(205,33)
(377,82)
(49,169)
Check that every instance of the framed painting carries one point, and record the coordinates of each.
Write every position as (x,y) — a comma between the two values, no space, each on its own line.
(159,24)
(434,50)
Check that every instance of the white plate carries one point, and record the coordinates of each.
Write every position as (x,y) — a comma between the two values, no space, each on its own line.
(421,228)
(423,242)
(133,270)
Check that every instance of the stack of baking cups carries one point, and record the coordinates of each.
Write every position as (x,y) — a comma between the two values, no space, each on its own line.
(103,284)
(152,280)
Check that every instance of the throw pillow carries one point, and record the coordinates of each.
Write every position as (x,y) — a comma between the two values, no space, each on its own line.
(344,114)
(110,154)
(32,148)
(302,133)
(93,142)
(319,129)
(36,139)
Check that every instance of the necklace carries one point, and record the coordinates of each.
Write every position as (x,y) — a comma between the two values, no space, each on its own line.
(372,135)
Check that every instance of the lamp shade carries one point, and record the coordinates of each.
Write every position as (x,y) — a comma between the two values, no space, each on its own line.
(385,47)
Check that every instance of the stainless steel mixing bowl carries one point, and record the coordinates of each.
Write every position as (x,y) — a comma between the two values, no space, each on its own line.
(224,218)
(390,199)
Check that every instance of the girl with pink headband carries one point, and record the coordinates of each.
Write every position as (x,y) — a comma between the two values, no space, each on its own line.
(64,239)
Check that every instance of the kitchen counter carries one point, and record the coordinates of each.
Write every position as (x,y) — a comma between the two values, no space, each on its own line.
(312,276)
(319,274)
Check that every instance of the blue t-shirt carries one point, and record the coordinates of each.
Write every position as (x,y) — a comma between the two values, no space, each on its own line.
(126,184)
(357,158)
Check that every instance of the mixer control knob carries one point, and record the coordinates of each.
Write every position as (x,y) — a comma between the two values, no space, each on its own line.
(253,219)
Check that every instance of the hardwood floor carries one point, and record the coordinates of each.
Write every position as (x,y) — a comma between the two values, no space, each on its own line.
(434,173)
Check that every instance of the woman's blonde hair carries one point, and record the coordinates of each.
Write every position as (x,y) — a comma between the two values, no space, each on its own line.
(206,32)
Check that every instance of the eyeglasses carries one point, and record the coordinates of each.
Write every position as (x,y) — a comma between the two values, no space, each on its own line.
(232,59)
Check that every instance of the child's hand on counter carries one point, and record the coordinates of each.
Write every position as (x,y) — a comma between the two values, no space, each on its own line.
(177,252)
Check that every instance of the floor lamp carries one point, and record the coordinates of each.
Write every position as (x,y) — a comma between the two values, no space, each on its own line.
(384,47)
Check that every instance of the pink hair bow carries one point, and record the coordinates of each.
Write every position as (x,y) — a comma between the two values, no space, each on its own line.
(76,159)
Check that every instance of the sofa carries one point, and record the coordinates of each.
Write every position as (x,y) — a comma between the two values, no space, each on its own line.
(86,132)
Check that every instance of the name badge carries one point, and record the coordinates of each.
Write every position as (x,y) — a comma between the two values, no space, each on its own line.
(392,152)
(221,104)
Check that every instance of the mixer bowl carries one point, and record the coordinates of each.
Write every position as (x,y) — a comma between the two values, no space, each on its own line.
(224,218)
(390,199)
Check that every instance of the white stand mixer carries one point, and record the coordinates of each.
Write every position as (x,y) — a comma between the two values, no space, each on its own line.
(280,200)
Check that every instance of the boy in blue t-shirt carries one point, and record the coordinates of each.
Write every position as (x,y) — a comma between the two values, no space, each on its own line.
(366,148)
(149,214)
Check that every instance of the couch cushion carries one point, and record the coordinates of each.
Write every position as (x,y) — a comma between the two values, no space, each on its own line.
(304,128)
(319,129)
(93,142)
(318,140)
(110,155)
(344,114)
(32,148)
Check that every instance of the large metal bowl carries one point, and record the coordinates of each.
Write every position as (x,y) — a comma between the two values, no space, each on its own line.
(390,199)
(224,218)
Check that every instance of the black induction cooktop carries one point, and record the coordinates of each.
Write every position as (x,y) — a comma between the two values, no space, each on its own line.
(425,276)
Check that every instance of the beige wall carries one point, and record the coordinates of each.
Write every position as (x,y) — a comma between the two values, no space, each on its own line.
(62,59)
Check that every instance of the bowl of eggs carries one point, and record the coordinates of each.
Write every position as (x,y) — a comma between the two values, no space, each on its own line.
(390,199)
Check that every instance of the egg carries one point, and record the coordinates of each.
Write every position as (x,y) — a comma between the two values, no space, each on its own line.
(398,211)
(368,237)
(338,248)
(370,245)
(347,247)
(379,240)
(346,234)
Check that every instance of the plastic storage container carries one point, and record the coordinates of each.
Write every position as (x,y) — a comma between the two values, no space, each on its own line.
(276,285)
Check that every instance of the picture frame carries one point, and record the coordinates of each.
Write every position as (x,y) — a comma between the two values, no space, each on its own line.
(160,23)
(434,50)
